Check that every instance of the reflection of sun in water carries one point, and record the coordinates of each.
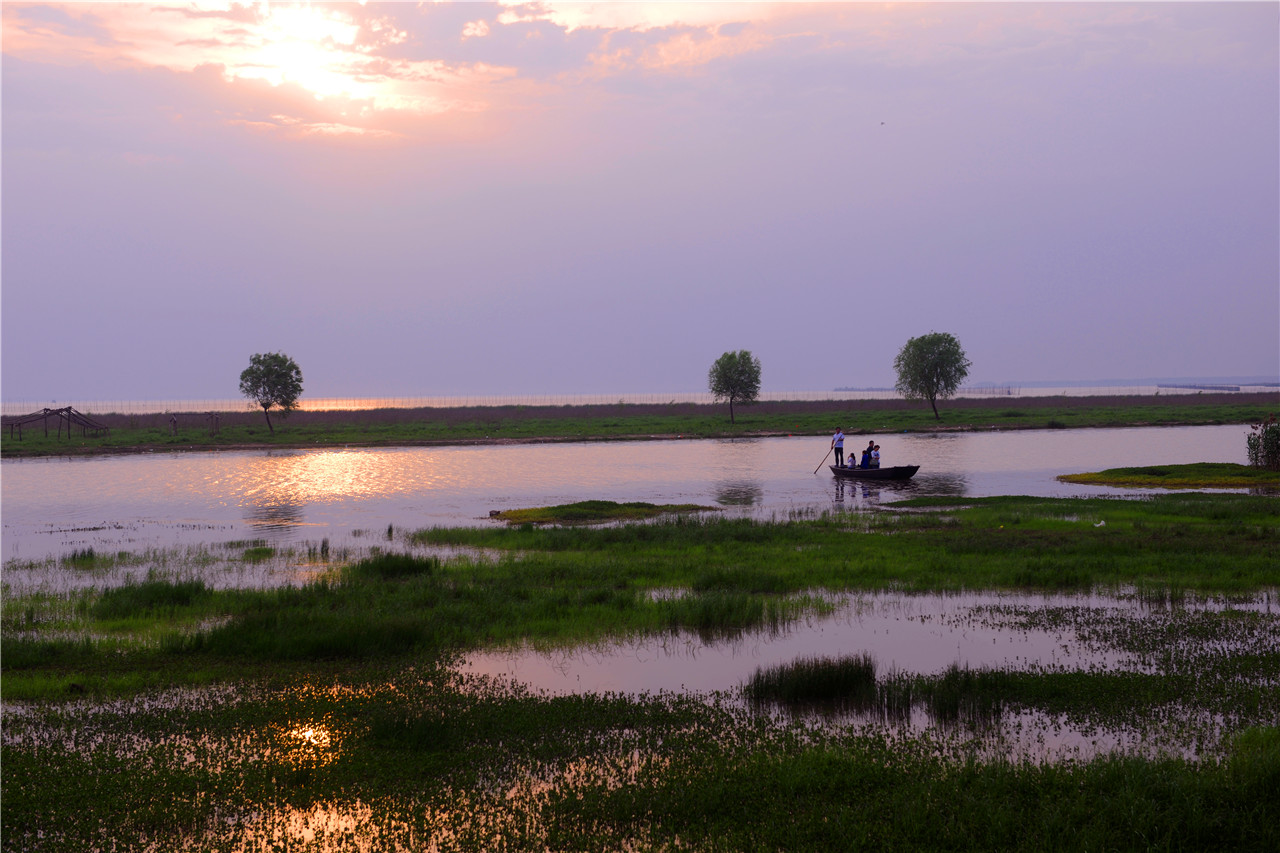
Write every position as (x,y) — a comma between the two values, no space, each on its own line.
(311,744)
(311,736)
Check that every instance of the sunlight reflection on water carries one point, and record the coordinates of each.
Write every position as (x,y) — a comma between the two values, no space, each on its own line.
(52,506)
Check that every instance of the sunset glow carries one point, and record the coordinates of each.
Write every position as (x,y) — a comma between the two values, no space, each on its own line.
(459,199)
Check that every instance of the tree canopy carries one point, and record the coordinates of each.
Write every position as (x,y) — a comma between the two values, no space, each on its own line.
(272,380)
(735,377)
(931,367)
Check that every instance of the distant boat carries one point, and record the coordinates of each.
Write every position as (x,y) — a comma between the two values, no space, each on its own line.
(897,472)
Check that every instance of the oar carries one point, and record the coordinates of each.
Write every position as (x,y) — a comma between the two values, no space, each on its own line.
(824,459)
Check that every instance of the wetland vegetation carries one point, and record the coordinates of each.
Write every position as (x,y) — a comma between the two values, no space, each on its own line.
(1193,475)
(595,512)
(330,713)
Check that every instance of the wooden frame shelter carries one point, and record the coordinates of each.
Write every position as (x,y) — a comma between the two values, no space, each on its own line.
(67,415)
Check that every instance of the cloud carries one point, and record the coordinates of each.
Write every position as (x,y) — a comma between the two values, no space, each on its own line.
(605,197)
(475,29)
(342,56)
(640,17)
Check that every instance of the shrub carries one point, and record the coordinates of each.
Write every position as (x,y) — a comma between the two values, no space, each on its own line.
(1263,443)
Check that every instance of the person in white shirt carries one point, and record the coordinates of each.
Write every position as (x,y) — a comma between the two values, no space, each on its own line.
(837,442)
(875,456)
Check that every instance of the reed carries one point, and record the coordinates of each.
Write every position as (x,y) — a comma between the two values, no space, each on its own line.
(835,684)
(149,597)
(393,567)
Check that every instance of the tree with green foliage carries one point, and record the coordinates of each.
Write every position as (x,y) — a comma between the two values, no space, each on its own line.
(931,367)
(1263,444)
(735,377)
(272,380)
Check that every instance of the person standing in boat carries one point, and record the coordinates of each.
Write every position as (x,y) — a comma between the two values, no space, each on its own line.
(875,456)
(837,442)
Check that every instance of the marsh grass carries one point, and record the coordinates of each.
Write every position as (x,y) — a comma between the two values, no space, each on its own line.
(564,585)
(150,597)
(425,759)
(596,512)
(340,719)
(1197,475)
(832,684)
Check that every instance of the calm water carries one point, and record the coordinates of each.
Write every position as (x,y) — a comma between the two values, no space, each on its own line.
(53,506)
(927,634)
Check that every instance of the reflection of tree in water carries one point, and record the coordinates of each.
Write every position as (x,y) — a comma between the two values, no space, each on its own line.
(275,515)
(739,493)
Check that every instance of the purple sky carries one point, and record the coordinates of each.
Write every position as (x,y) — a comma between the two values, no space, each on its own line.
(556,198)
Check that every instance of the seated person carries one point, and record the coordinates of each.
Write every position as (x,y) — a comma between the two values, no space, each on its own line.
(875,456)
(866,459)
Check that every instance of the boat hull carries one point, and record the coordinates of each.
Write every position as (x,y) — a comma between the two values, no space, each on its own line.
(897,472)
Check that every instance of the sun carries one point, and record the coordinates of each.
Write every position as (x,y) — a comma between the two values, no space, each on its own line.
(306,46)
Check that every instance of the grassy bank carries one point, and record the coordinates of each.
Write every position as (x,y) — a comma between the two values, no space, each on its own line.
(392,427)
(1196,475)
(171,715)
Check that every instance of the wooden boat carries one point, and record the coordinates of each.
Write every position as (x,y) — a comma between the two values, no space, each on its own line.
(897,472)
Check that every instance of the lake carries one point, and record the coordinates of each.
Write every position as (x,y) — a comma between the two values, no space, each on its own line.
(54,506)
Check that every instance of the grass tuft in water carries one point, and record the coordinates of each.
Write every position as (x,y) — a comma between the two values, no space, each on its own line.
(818,682)
(394,567)
(148,597)
(595,512)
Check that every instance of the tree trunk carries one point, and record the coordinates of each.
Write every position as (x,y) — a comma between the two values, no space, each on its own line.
(731,410)
(266,410)
(934,404)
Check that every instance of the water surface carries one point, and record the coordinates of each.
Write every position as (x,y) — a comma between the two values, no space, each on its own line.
(58,505)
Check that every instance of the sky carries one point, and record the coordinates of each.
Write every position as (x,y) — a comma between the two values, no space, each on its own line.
(563,198)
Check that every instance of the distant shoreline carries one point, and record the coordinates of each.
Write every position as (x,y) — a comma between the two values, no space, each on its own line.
(1140,388)
(496,425)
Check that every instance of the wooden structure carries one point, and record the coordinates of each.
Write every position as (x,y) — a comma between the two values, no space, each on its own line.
(68,416)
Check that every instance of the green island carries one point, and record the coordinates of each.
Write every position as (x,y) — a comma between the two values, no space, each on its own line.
(621,421)
(175,714)
(1194,475)
(595,512)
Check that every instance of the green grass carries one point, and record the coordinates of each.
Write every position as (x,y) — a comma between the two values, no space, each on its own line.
(245,715)
(392,427)
(1197,475)
(561,585)
(407,757)
(596,512)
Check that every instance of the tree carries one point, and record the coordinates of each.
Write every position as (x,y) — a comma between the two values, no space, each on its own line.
(1263,444)
(930,367)
(735,377)
(272,379)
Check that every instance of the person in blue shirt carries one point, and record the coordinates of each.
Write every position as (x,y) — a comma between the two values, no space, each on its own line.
(866,454)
